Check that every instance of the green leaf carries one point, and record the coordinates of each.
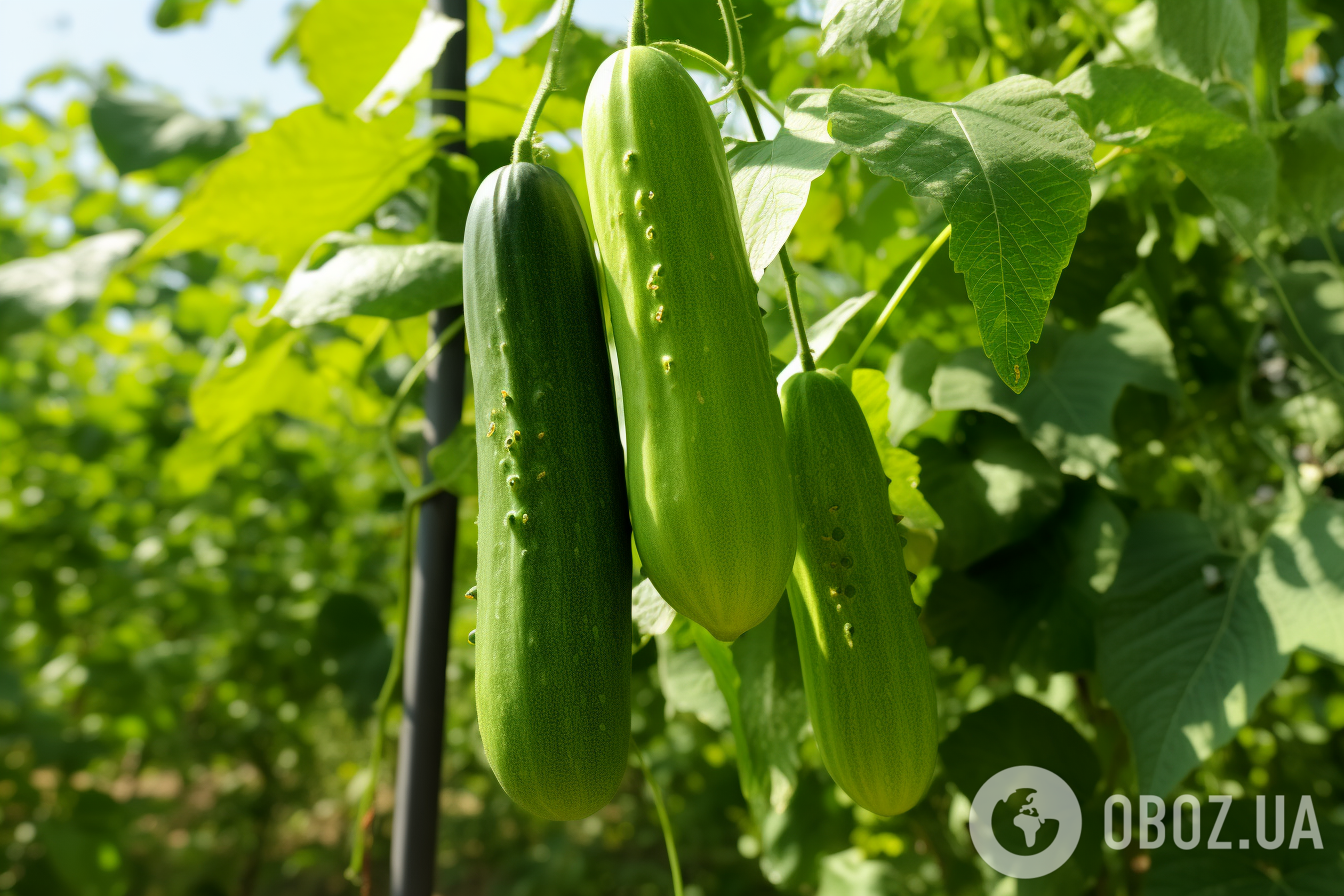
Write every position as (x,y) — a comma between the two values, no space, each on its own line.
(1185,648)
(900,466)
(1016,730)
(365,57)
(172,13)
(1067,412)
(33,289)
(453,461)
(909,376)
(1010,167)
(136,135)
(686,679)
(1147,109)
(771,178)
(1311,156)
(1300,579)
(822,334)
(499,104)
(1317,295)
(313,172)
(990,493)
(1208,39)
(651,614)
(1032,605)
(192,464)
(847,25)
(392,281)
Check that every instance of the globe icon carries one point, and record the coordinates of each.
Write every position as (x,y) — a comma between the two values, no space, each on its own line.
(1019,826)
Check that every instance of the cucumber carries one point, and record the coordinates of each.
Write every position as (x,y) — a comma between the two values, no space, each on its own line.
(865,664)
(708,479)
(553,563)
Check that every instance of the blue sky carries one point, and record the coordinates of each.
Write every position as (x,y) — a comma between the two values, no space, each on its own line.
(217,67)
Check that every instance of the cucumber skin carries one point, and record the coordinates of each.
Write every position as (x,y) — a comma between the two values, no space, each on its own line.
(872,704)
(553,594)
(708,479)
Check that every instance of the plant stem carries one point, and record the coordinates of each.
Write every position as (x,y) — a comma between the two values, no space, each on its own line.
(901,290)
(676,46)
(639,29)
(737,69)
(662,818)
(522,147)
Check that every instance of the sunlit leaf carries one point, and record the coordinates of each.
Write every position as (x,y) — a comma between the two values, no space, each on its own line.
(499,103)
(1010,167)
(771,178)
(393,281)
(312,173)
(1300,579)
(1204,39)
(32,289)
(1147,109)
(847,25)
(651,614)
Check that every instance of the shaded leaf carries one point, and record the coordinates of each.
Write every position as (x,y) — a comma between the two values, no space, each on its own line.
(1311,155)
(1067,412)
(1208,39)
(453,461)
(1151,110)
(32,289)
(1317,295)
(847,25)
(1272,46)
(136,135)
(392,281)
(1010,167)
(312,173)
(992,492)
(909,376)
(771,178)
(1016,730)
(1185,649)
(686,679)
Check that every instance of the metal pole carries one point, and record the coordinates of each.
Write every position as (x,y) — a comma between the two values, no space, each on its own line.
(415,819)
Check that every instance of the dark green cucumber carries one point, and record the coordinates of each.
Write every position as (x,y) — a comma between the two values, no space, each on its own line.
(865,664)
(710,496)
(553,562)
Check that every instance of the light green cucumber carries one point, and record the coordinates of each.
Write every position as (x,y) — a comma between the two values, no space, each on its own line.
(865,664)
(709,485)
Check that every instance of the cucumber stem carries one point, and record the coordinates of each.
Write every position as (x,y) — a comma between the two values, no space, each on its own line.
(663,819)
(737,67)
(522,147)
(639,29)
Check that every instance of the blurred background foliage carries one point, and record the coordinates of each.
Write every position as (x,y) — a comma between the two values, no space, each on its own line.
(198,532)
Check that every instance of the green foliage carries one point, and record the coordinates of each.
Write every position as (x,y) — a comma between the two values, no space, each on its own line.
(1136,581)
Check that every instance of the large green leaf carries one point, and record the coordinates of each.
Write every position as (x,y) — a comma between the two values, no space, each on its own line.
(1317,295)
(1147,109)
(1185,648)
(989,493)
(499,103)
(771,178)
(312,173)
(1208,39)
(365,57)
(1311,155)
(1017,730)
(139,134)
(687,681)
(32,289)
(1010,167)
(392,281)
(1067,410)
(522,12)
(846,25)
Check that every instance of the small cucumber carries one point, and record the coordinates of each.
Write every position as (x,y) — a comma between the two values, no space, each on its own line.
(553,564)
(865,665)
(710,496)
